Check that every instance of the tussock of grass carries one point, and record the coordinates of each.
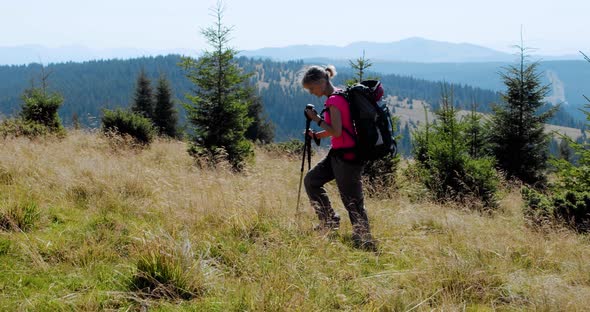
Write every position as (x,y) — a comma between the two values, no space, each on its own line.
(167,269)
(19,215)
(247,249)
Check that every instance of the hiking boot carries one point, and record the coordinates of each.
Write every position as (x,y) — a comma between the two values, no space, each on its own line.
(364,242)
(333,224)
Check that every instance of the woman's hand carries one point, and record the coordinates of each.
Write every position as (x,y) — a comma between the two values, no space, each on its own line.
(316,135)
(312,114)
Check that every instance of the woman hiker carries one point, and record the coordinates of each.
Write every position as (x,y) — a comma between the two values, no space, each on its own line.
(340,164)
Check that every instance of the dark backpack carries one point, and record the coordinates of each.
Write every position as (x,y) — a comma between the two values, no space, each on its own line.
(372,123)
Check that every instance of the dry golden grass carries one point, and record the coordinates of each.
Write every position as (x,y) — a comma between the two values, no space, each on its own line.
(247,251)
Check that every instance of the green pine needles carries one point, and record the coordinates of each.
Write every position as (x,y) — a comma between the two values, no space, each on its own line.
(165,116)
(143,102)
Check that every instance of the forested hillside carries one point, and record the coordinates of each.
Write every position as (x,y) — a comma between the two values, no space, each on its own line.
(87,87)
(90,86)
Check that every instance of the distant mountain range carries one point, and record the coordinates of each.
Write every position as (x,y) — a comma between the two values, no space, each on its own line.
(26,54)
(415,49)
(408,50)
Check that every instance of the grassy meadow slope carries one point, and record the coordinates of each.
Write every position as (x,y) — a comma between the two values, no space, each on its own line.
(96,210)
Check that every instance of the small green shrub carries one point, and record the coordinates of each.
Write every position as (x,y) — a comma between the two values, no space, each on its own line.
(16,127)
(41,107)
(482,180)
(121,122)
(19,216)
(571,208)
(471,181)
(537,205)
(38,115)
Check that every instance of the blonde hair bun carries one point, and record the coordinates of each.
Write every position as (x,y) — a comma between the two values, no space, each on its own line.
(331,71)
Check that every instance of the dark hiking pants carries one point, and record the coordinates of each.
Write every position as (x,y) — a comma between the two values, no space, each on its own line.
(350,186)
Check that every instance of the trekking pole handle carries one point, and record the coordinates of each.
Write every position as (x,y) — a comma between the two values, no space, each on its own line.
(308,122)
(309,107)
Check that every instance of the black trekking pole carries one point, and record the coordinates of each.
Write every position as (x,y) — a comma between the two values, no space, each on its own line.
(306,150)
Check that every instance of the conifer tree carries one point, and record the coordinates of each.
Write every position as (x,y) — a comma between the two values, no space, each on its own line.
(444,163)
(165,116)
(517,135)
(40,106)
(261,129)
(218,107)
(143,102)
(360,66)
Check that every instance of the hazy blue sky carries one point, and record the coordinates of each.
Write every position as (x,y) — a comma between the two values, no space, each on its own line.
(554,27)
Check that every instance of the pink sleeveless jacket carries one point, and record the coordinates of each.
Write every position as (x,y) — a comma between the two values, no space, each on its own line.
(345,140)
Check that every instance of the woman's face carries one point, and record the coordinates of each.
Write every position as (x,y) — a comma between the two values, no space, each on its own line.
(316,88)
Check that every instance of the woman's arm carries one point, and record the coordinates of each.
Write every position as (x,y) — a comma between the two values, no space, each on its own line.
(335,129)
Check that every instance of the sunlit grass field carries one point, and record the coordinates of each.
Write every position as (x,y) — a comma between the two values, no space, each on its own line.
(84,222)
